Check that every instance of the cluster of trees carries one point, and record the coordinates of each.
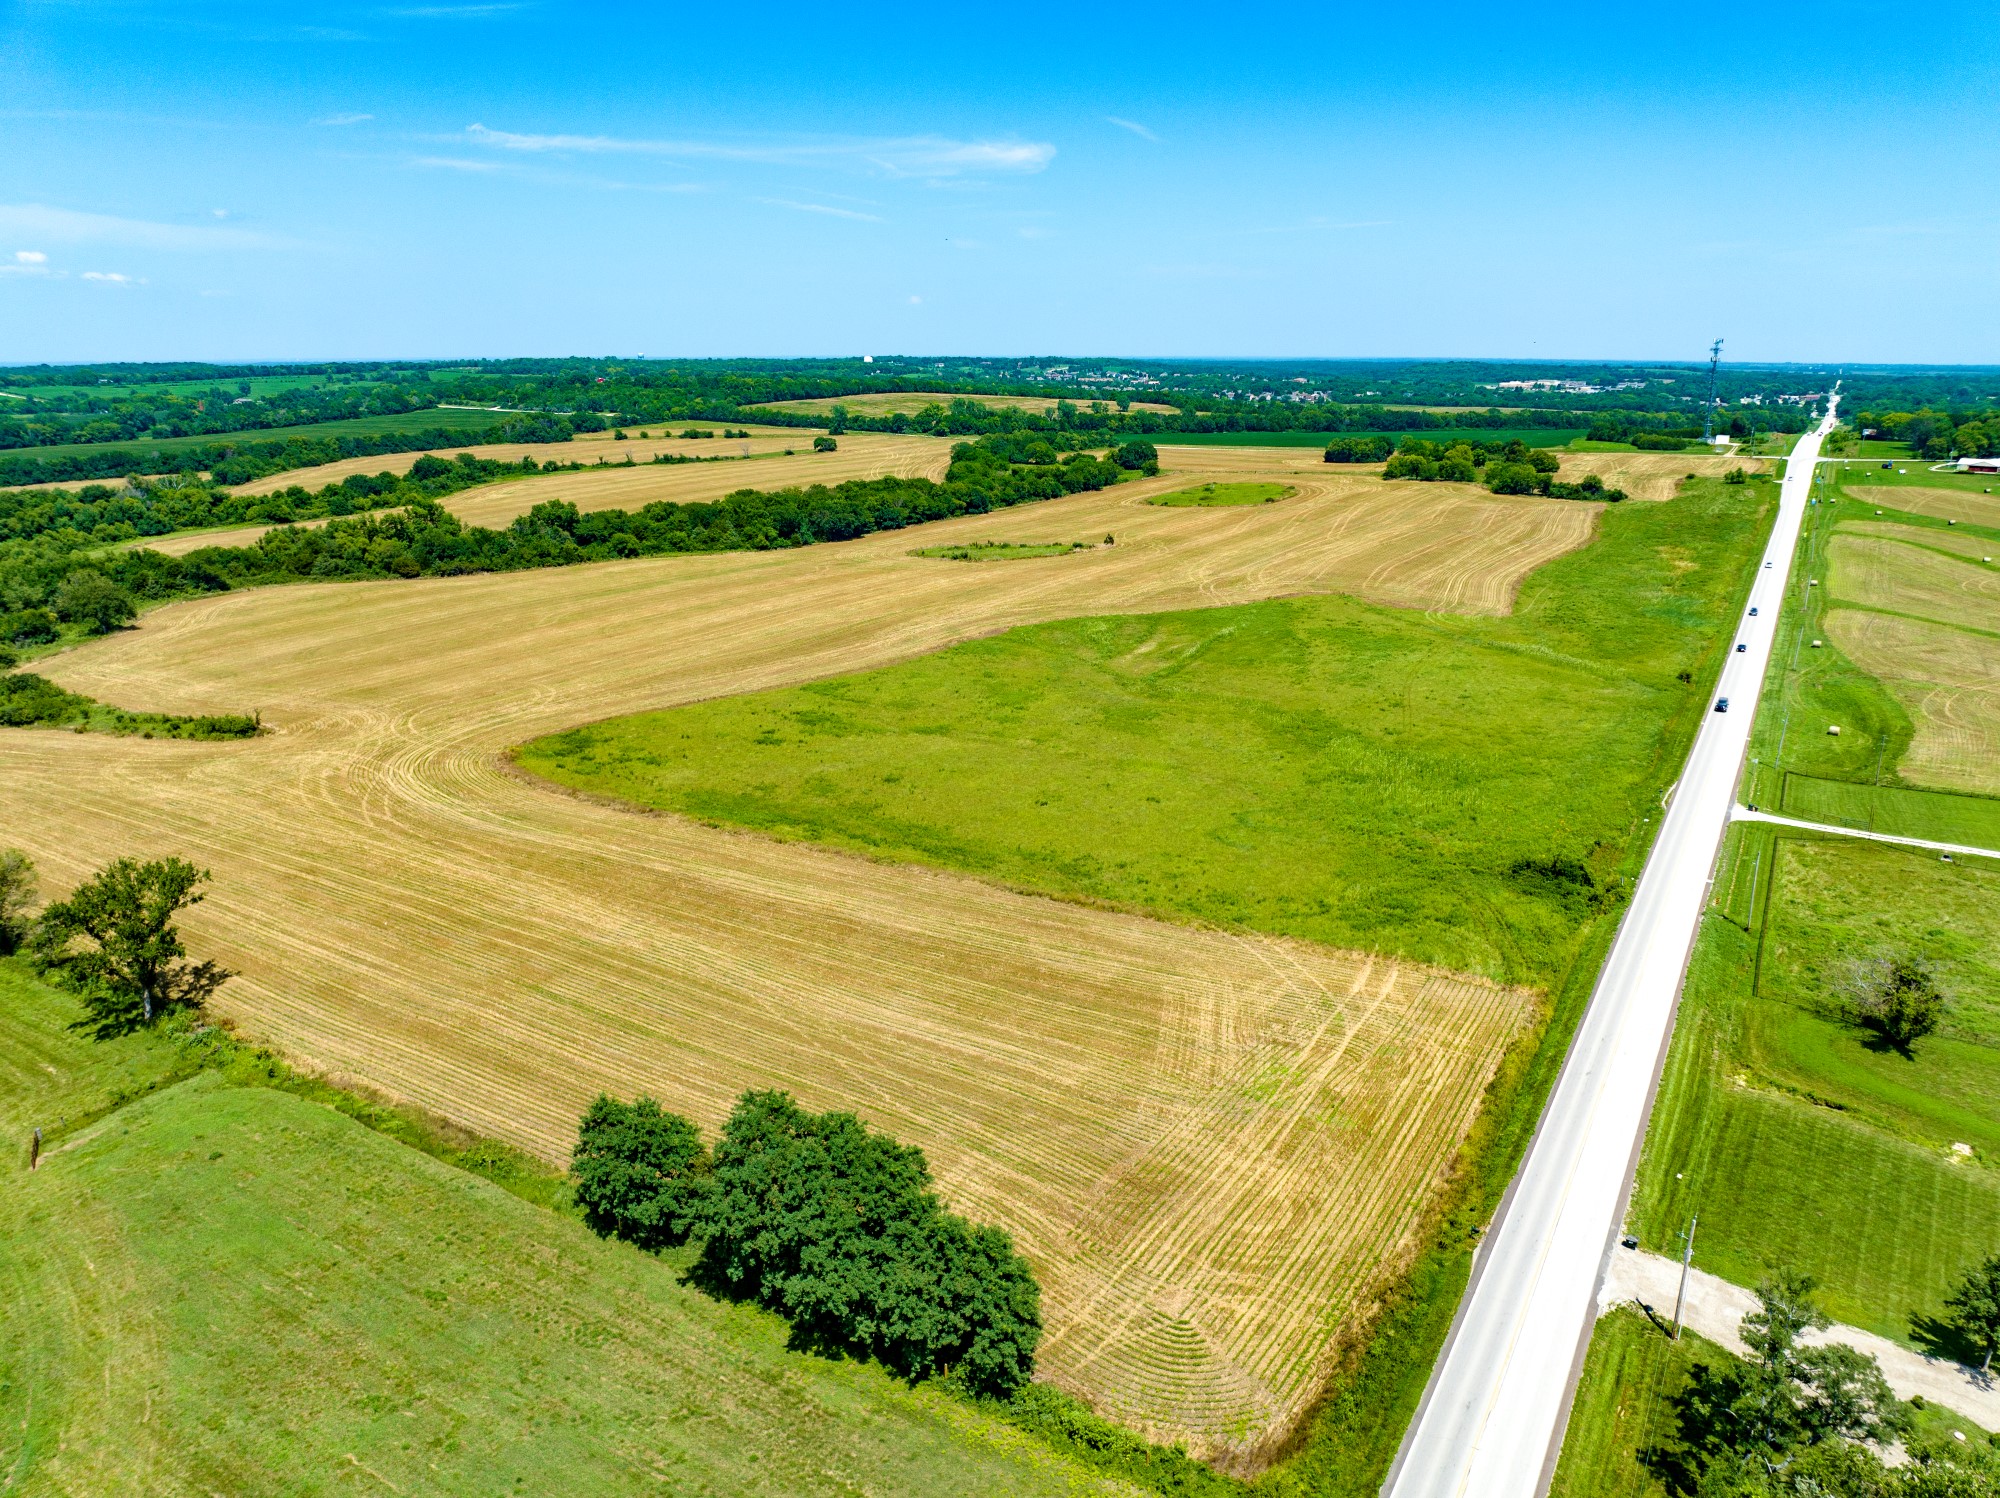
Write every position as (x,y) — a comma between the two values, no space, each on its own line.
(825,1221)
(1935,433)
(1505,468)
(28,700)
(1360,449)
(1799,1419)
(113,941)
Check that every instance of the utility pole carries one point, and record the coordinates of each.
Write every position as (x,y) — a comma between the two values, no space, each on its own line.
(1708,419)
(1687,1258)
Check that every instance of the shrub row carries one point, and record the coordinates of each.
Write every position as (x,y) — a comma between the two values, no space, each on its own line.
(28,700)
(817,1217)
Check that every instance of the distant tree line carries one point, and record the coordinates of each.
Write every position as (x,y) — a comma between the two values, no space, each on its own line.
(823,1220)
(1934,433)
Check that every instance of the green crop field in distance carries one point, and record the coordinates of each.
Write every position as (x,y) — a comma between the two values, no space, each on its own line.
(224,1288)
(1225,494)
(1316,767)
(1001,551)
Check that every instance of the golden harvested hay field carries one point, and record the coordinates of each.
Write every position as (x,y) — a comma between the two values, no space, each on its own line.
(1958,543)
(1884,573)
(862,455)
(913,401)
(587,448)
(1948,681)
(1212,1146)
(1651,475)
(1942,503)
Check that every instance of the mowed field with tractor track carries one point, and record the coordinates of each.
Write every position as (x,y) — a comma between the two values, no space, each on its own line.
(1212,1145)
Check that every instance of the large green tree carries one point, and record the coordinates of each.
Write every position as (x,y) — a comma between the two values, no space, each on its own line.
(640,1171)
(1974,1305)
(114,941)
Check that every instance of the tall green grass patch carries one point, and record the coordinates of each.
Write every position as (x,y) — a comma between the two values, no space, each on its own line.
(1462,791)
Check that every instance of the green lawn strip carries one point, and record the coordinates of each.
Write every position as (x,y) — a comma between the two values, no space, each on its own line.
(1224,494)
(243,1290)
(1317,767)
(1938,816)
(1001,551)
(1783,1136)
(1624,1406)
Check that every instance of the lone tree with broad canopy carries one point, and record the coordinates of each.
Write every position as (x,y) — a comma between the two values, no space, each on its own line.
(1974,1306)
(1896,997)
(115,942)
(641,1171)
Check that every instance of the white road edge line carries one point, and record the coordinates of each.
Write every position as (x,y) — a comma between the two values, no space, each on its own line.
(1491,1421)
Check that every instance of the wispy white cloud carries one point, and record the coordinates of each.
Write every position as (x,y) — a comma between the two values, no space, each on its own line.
(115,278)
(449,12)
(457,164)
(345,119)
(903,156)
(67,226)
(31,257)
(1133,125)
(829,210)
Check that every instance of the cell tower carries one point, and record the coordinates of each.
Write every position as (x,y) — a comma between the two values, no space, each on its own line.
(1708,418)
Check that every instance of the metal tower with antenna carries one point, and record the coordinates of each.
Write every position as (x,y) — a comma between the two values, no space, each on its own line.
(1708,417)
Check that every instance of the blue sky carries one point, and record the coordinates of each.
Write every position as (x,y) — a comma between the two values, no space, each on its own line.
(314,180)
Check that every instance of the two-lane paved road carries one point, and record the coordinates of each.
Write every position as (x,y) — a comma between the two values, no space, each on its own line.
(1491,1422)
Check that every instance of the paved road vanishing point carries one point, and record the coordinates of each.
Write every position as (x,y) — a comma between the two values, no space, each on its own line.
(1491,1422)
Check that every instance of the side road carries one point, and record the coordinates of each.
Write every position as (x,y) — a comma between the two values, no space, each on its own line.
(1744,814)
(1716,1309)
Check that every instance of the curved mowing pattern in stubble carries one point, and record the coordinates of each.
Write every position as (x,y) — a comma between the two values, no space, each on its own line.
(1211,1146)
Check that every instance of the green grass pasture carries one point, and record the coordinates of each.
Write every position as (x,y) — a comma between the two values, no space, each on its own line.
(1937,815)
(1225,494)
(1797,1141)
(1624,1406)
(227,1288)
(1315,767)
(1001,551)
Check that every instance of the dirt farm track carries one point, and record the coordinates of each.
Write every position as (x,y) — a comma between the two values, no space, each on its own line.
(1211,1145)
